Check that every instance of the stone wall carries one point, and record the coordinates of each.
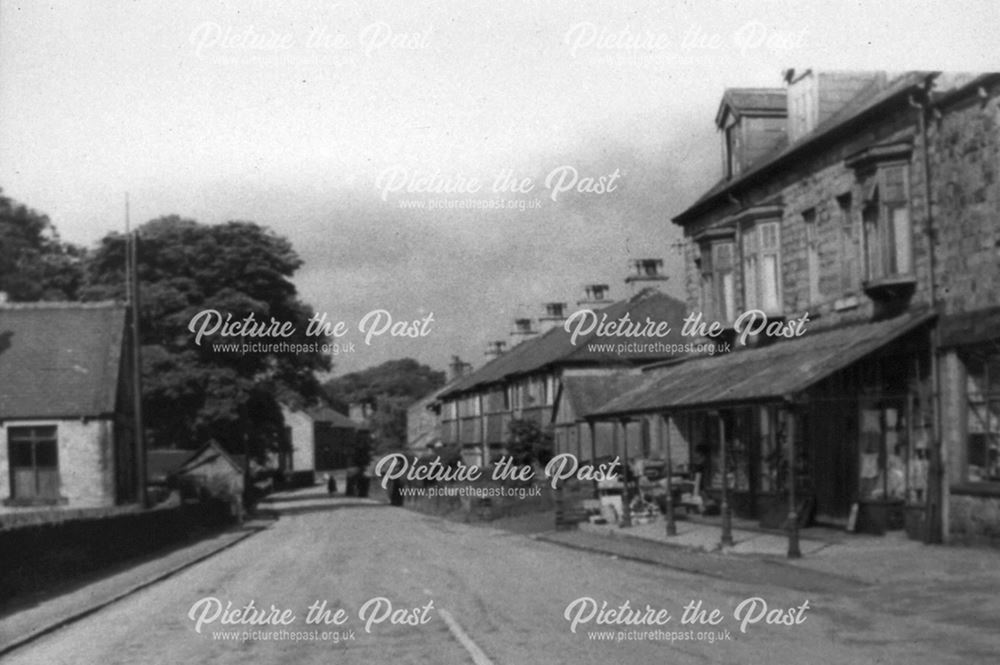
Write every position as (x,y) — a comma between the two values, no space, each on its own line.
(974,519)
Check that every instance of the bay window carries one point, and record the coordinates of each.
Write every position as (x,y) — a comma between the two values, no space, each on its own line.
(762,266)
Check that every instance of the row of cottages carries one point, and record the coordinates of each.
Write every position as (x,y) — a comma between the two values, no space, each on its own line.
(870,202)
(423,417)
(318,439)
(66,408)
(526,381)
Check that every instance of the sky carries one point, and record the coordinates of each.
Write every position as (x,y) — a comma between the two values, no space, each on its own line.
(329,121)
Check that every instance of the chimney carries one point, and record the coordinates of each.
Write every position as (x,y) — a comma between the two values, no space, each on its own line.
(495,349)
(522,330)
(597,296)
(457,368)
(646,275)
(814,96)
(555,314)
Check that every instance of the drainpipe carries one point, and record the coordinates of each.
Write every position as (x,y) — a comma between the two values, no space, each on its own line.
(937,499)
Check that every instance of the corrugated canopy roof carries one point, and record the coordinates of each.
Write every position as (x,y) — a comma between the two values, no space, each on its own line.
(555,345)
(60,360)
(771,372)
(588,393)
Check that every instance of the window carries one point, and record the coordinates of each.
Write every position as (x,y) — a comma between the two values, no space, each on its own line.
(886,217)
(718,286)
(34,463)
(812,254)
(732,147)
(762,267)
(982,392)
(848,246)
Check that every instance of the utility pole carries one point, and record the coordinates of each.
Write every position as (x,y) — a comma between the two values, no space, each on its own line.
(132,299)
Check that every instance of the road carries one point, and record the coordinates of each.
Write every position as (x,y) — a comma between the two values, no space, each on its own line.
(481,595)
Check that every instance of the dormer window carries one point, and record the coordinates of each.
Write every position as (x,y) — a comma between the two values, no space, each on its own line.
(752,122)
(732,149)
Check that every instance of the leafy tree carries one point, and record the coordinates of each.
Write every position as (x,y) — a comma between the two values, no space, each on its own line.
(390,388)
(528,442)
(35,264)
(194,392)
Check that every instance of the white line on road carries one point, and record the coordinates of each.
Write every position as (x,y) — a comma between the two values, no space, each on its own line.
(478,657)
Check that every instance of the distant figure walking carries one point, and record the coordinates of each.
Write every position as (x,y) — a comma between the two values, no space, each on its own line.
(331,484)
(395,493)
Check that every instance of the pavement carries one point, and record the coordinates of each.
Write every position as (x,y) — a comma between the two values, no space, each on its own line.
(828,554)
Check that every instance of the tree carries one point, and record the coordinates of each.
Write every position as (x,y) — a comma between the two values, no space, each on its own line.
(390,388)
(197,390)
(529,443)
(35,264)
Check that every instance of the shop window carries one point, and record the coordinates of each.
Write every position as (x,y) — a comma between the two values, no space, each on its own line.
(34,463)
(982,391)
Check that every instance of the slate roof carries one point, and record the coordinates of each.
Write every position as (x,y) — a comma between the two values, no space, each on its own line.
(866,101)
(554,346)
(770,101)
(766,373)
(60,360)
(207,454)
(163,462)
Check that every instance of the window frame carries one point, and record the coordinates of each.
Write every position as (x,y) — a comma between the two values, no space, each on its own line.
(880,197)
(754,252)
(34,435)
(847,244)
(984,399)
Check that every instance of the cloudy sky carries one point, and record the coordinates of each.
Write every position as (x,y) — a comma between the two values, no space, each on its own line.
(316,118)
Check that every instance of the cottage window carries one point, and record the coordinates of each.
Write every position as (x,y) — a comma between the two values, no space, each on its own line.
(886,216)
(34,463)
(983,417)
(762,267)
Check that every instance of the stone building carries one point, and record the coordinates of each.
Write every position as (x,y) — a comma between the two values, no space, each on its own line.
(66,407)
(872,227)
(525,382)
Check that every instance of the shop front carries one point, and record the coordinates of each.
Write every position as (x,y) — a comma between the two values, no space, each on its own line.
(842,418)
